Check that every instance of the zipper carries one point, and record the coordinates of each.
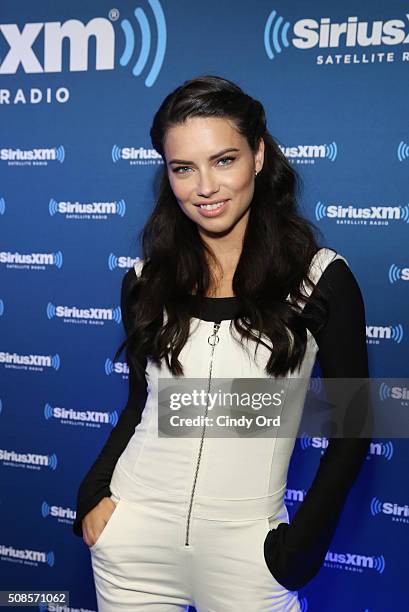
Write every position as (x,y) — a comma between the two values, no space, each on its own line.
(213,339)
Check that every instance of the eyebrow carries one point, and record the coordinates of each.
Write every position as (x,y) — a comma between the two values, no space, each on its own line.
(184,161)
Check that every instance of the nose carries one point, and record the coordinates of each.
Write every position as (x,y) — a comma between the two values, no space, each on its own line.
(207,184)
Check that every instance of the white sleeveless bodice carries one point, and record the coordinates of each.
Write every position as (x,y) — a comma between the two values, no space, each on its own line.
(233,473)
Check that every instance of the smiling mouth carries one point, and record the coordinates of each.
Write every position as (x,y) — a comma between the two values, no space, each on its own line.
(211,206)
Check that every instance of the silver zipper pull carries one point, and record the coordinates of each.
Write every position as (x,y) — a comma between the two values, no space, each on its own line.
(213,339)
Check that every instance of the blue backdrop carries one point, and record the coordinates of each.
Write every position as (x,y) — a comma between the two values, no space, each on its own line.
(79,84)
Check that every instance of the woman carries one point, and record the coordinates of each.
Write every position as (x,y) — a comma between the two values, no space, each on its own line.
(226,255)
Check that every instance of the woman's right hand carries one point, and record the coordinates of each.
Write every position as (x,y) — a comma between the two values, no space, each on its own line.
(95,521)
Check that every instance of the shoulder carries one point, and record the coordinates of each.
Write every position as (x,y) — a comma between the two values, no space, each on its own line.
(129,280)
(131,276)
(335,277)
(337,283)
(324,258)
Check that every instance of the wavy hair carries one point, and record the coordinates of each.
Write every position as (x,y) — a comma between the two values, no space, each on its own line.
(277,248)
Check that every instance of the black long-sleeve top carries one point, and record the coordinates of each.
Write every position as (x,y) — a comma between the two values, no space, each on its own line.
(293,552)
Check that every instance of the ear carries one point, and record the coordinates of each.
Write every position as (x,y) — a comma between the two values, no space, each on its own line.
(259,156)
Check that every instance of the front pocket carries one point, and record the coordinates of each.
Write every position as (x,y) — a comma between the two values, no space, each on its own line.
(108,526)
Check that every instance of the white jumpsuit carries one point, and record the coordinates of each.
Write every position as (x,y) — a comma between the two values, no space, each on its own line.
(192,513)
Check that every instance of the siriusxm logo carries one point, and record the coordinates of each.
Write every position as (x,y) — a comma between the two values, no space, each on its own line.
(31,556)
(310,33)
(2,206)
(135,157)
(380,449)
(372,215)
(309,153)
(90,315)
(122,262)
(80,416)
(37,261)
(29,459)
(35,157)
(396,274)
(57,512)
(316,443)
(399,393)
(350,561)
(48,56)
(30,362)
(294,495)
(374,333)
(88,210)
(115,368)
(391,509)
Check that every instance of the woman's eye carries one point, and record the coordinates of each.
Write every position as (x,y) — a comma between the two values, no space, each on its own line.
(228,159)
(181,169)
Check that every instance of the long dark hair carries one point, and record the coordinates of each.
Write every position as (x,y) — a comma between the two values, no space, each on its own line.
(277,249)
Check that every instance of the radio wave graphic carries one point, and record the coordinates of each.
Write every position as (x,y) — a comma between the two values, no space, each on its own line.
(116,153)
(275,34)
(379,564)
(55,362)
(50,310)
(52,207)
(315,384)
(384,392)
(305,441)
(116,313)
(303,604)
(121,208)
(58,259)
(146,42)
(112,261)
(1,307)
(109,366)
(113,418)
(397,333)
(2,206)
(387,450)
(52,461)
(376,506)
(50,559)
(320,211)
(394,273)
(331,151)
(60,153)
(405,213)
(45,509)
(403,151)
(48,411)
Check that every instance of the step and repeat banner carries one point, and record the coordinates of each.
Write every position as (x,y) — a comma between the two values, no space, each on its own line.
(79,84)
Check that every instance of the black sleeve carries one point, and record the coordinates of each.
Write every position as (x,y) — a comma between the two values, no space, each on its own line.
(295,552)
(95,484)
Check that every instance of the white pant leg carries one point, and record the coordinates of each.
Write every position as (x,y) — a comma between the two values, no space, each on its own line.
(229,569)
(137,561)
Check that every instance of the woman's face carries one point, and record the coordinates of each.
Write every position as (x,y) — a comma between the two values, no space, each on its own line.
(209,162)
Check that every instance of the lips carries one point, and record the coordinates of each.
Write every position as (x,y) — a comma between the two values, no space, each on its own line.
(210,203)
(215,212)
